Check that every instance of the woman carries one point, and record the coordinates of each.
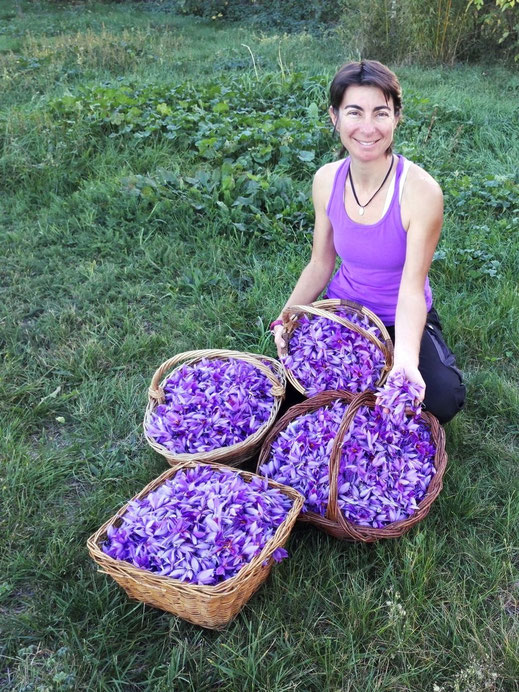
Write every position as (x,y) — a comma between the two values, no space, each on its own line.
(382,215)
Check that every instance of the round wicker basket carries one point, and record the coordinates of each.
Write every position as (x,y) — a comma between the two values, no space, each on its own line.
(333,522)
(327,309)
(231,455)
(208,606)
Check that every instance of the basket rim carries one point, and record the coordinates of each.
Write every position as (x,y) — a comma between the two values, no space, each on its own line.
(334,521)
(226,587)
(275,372)
(327,308)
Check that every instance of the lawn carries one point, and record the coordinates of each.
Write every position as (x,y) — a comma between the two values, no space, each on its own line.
(155,176)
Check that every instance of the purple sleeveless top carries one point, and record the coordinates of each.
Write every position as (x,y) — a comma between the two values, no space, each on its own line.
(372,255)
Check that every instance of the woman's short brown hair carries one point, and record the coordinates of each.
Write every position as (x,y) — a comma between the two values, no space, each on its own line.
(366,73)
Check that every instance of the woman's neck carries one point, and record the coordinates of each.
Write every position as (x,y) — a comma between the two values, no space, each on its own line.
(367,173)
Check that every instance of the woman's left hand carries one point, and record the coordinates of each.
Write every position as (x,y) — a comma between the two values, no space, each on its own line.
(412,374)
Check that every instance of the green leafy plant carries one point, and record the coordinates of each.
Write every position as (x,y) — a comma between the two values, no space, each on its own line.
(221,121)
(499,20)
(472,263)
(467,194)
(268,206)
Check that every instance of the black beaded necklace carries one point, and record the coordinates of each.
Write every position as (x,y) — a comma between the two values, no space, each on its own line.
(363,206)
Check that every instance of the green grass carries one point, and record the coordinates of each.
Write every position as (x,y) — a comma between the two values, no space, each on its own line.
(112,261)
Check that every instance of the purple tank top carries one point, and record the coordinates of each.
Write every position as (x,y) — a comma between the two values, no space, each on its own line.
(372,255)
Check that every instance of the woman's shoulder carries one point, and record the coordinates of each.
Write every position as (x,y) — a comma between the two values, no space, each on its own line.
(420,182)
(421,191)
(328,171)
(323,183)
(325,177)
(422,197)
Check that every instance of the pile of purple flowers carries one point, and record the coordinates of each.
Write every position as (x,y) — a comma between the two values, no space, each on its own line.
(300,454)
(386,465)
(324,355)
(211,404)
(398,396)
(387,460)
(201,526)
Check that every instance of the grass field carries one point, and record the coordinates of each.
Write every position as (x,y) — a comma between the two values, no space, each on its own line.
(154,177)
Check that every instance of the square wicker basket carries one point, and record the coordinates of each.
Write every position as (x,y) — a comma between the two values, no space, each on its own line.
(208,606)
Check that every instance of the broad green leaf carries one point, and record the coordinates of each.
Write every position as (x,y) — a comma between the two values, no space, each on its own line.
(221,107)
(306,155)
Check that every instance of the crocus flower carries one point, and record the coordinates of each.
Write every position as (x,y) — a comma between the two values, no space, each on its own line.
(324,355)
(211,404)
(201,526)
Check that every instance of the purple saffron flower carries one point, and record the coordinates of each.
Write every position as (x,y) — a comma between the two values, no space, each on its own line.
(211,404)
(325,355)
(201,526)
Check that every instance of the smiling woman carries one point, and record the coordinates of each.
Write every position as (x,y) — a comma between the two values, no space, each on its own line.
(369,98)
(382,215)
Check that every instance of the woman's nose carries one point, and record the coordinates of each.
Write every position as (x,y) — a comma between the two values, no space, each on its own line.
(368,124)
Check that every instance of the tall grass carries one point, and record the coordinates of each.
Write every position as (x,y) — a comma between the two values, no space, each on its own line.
(438,32)
(104,276)
(441,31)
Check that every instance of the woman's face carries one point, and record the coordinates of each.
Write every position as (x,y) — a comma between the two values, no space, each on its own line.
(365,122)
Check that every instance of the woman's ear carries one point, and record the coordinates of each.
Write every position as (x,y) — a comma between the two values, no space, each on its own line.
(334,116)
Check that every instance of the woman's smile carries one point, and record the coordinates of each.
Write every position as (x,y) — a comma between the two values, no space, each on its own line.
(367,144)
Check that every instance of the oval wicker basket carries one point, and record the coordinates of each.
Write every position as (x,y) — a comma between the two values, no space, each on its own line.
(334,522)
(231,455)
(327,308)
(208,606)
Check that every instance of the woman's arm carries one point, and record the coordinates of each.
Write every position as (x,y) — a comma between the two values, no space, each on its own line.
(422,213)
(317,273)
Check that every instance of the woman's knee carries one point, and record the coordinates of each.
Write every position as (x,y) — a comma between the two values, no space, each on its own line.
(445,391)
(444,399)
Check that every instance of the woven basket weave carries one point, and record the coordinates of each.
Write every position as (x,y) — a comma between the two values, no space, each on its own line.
(231,455)
(208,606)
(327,309)
(334,522)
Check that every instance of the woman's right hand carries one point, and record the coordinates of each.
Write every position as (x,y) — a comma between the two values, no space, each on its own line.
(280,342)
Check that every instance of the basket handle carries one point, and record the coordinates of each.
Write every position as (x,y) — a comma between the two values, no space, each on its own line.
(328,303)
(332,510)
(156,390)
(296,310)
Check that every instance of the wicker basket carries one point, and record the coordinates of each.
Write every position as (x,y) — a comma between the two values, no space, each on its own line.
(334,522)
(327,308)
(208,606)
(231,455)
